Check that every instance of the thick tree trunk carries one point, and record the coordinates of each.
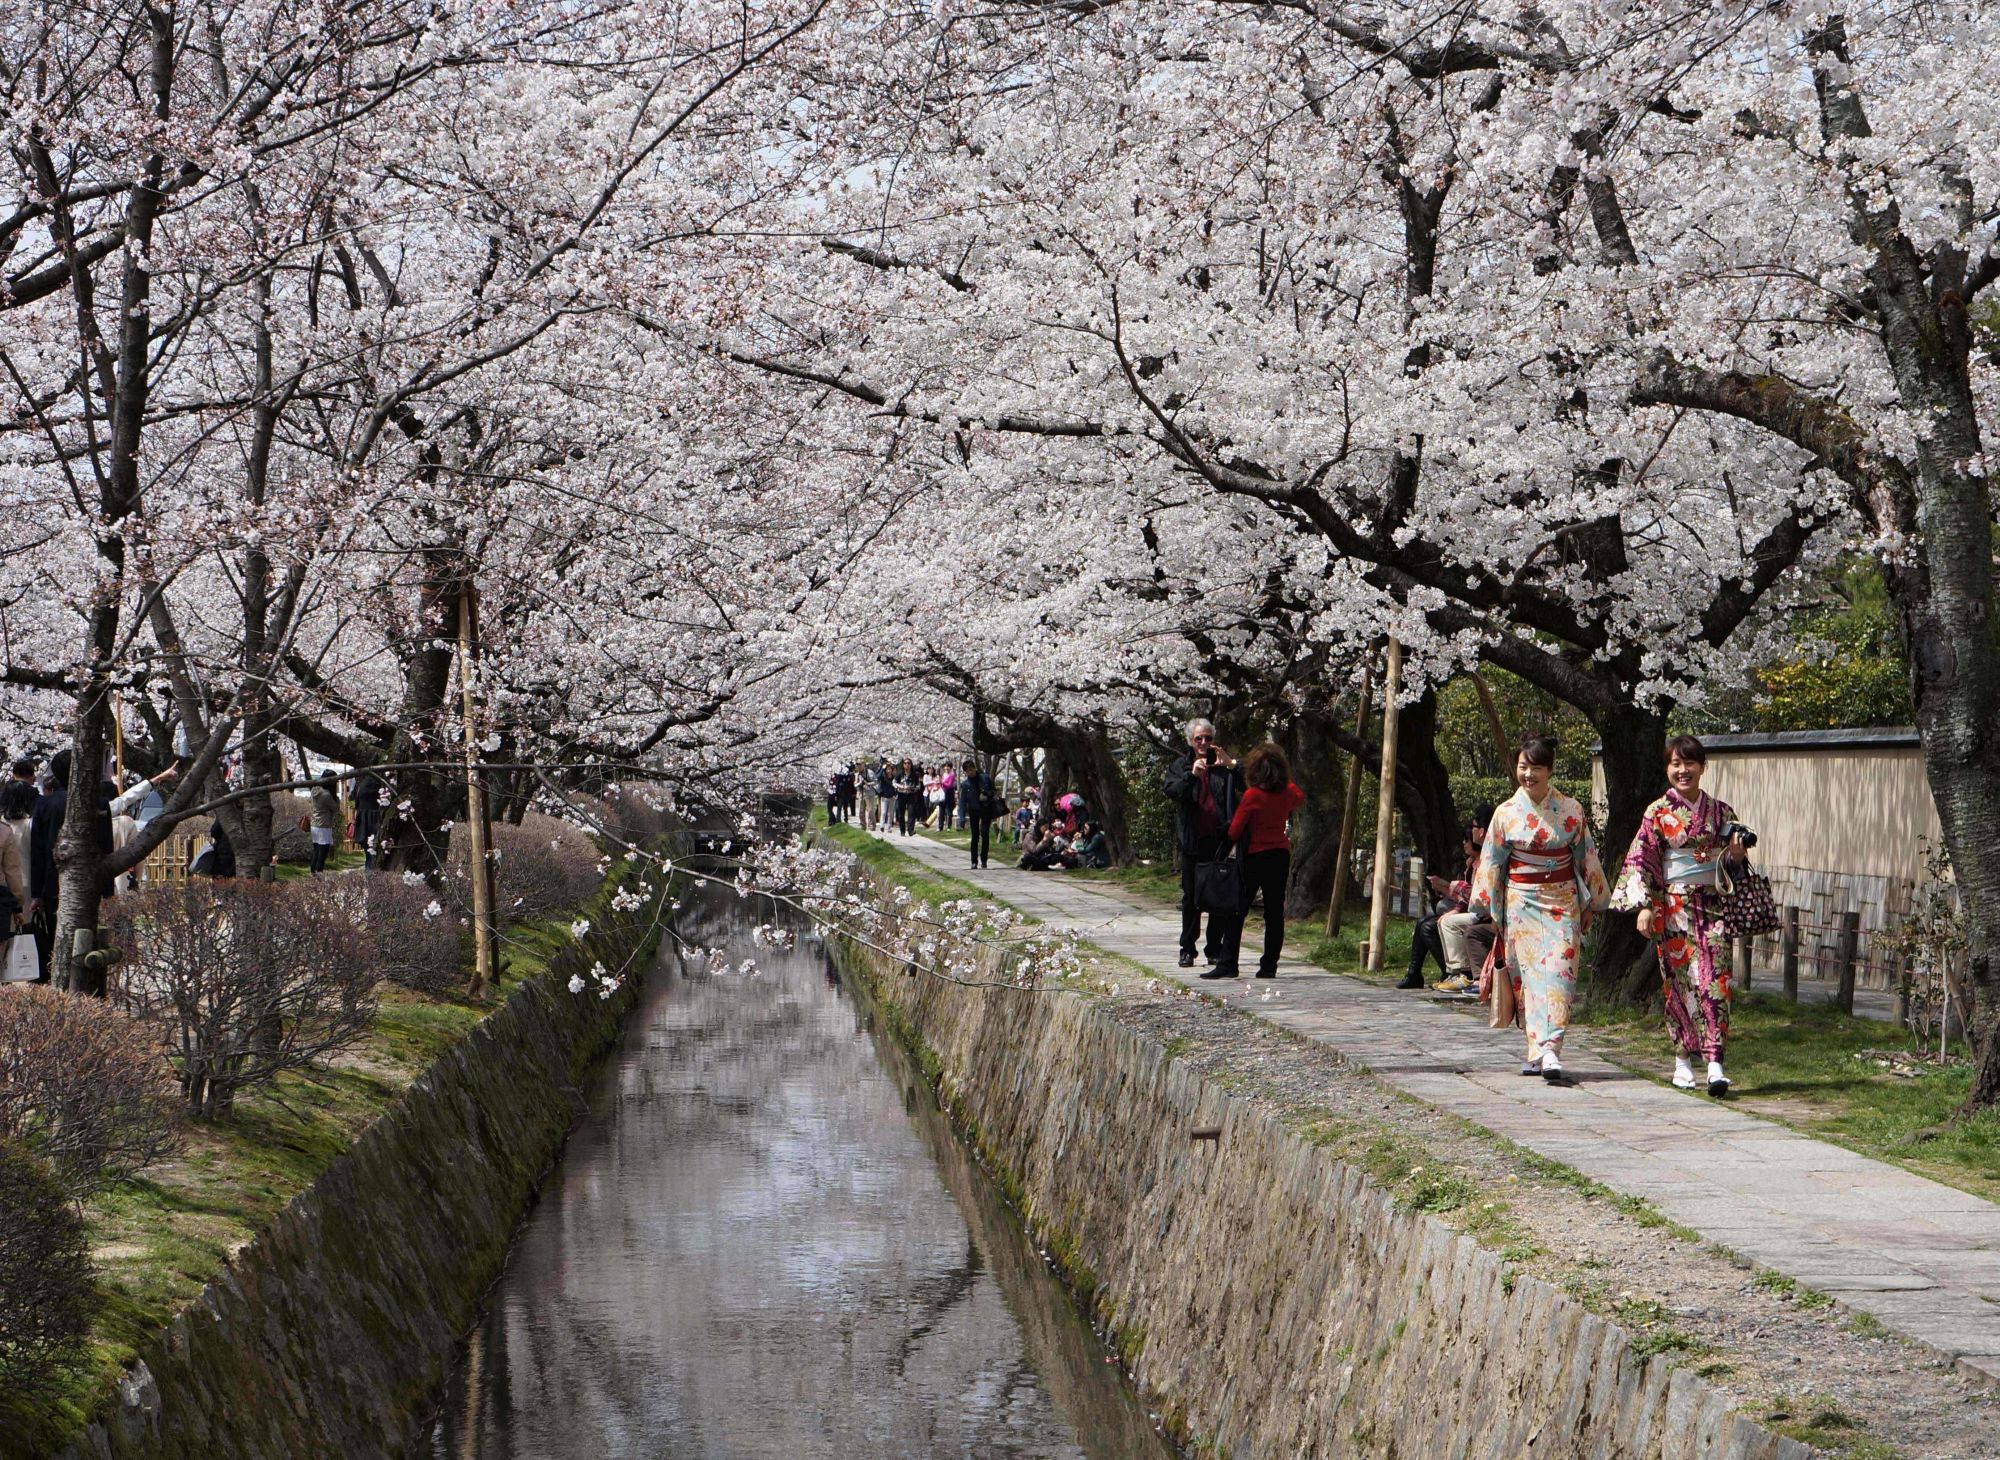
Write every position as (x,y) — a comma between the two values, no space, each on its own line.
(79,875)
(1423,789)
(1423,784)
(1947,614)
(424,803)
(1632,753)
(1319,768)
(1101,782)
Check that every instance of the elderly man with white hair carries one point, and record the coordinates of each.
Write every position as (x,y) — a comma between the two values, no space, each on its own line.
(1204,786)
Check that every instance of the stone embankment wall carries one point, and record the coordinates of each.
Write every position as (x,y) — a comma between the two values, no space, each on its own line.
(1270,1300)
(333,1331)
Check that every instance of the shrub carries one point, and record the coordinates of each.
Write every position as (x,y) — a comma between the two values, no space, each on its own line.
(414,936)
(47,1297)
(633,814)
(83,1086)
(244,980)
(543,867)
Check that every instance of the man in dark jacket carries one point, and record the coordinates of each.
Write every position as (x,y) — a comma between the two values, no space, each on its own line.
(44,831)
(975,795)
(368,793)
(1204,786)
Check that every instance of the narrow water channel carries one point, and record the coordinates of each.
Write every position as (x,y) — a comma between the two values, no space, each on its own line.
(764,1241)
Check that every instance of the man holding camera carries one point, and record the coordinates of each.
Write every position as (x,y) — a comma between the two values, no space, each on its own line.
(1204,786)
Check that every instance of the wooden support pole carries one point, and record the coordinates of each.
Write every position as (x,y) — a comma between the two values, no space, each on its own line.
(1741,952)
(475,806)
(1385,809)
(1850,938)
(1349,810)
(1788,946)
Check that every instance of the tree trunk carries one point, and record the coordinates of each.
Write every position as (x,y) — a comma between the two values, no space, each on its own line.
(1101,782)
(419,837)
(1423,785)
(79,878)
(1317,766)
(1947,611)
(1633,743)
(1423,789)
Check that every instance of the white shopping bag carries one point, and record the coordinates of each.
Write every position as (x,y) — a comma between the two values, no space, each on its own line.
(18,963)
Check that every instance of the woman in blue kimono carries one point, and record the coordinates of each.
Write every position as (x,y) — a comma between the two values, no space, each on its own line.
(1540,880)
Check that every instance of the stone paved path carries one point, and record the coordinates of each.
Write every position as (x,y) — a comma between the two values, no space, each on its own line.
(1922,1257)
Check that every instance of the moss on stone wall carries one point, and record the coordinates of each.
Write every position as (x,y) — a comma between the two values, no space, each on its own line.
(331,1331)
(1270,1297)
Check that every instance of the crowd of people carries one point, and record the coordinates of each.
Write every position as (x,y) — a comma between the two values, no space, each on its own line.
(900,797)
(1509,928)
(34,802)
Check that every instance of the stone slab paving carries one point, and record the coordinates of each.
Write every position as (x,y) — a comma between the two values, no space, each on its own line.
(1922,1257)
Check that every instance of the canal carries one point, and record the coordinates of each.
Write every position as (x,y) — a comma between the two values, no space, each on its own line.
(764,1240)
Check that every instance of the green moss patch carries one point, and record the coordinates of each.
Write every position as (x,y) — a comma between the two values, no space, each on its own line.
(159,1239)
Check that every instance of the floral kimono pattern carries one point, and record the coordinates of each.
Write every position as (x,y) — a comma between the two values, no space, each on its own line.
(1671,868)
(1538,873)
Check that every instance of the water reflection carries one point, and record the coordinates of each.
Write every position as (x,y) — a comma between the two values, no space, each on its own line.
(764,1242)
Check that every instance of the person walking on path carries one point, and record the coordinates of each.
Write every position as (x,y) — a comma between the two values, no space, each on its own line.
(44,882)
(325,820)
(1540,880)
(1269,798)
(909,797)
(869,804)
(17,809)
(976,796)
(1670,878)
(1204,786)
(948,801)
(885,797)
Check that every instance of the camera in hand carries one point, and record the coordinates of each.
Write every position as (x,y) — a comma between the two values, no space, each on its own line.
(1735,829)
(1209,755)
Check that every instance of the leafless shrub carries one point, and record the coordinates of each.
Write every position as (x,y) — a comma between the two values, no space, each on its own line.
(543,867)
(83,1086)
(47,1296)
(244,980)
(633,814)
(415,937)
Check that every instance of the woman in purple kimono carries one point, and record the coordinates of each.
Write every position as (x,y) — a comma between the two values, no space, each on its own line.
(1670,879)
(1540,880)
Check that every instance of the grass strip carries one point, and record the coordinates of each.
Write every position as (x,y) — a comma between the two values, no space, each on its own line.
(159,1238)
(1808,1066)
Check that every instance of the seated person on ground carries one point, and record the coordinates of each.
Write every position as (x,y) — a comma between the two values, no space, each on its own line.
(1047,849)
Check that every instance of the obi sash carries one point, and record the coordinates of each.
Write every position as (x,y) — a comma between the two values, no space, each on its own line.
(1531,868)
(1684,869)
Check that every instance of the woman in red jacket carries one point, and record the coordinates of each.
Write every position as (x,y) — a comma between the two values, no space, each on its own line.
(1258,829)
